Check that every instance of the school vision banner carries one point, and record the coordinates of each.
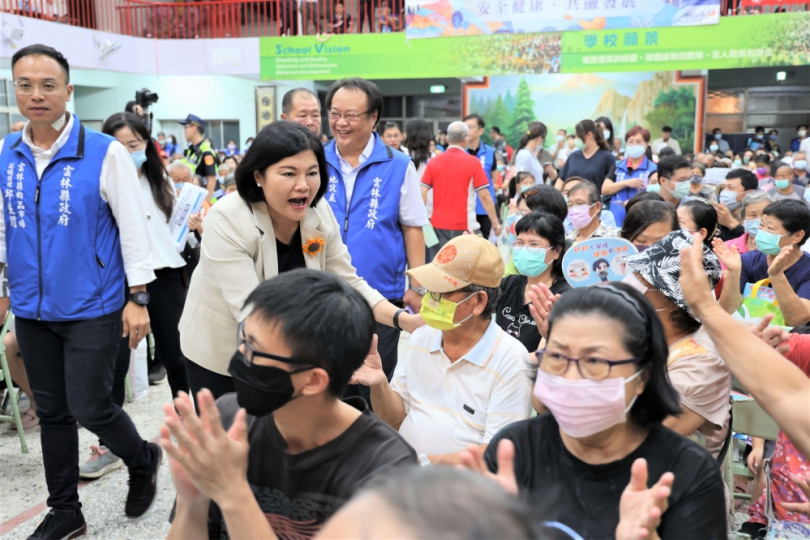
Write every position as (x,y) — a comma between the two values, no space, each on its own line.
(735,42)
(439,18)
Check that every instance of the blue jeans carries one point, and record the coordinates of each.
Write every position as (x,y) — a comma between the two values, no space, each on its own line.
(70,367)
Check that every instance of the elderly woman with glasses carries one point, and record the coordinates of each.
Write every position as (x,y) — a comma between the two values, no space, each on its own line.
(603,377)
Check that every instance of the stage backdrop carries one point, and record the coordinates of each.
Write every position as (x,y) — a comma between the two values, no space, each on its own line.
(651,100)
(440,18)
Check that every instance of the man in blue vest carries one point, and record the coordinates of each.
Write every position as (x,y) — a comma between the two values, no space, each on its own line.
(73,233)
(486,155)
(376,197)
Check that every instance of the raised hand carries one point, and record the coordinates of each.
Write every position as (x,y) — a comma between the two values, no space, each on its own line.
(780,261)
(730,257)
(695,286)
(542,301)
(473,460)
(371,372)
(640,508)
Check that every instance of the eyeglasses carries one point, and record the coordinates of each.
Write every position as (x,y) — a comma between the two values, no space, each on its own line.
(349,117)
(27,87)
(589,367)
(438,296)
(572,205)
(251,352)
(517,245)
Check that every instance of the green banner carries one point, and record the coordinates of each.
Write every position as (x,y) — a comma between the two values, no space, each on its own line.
(736,42)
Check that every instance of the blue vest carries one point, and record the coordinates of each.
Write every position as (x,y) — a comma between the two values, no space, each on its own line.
(618,199)
(486,154)
(370,220)
(62,242)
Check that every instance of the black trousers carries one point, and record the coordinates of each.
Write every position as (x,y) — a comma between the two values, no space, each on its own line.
(387,343)
(70,366)
(200,378)
(486,225)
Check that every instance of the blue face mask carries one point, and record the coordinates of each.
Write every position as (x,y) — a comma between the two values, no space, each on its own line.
(768,242)
(782,184)
(570,227)
(718,136)
(635,151)
(800,165)
(524,189)
(773,137)
(751,226)
(737,163)
(179,186)
(529,264)
(139,158)
(729,198)
(653,188)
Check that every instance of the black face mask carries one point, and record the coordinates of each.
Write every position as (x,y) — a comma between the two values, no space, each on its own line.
(260,390)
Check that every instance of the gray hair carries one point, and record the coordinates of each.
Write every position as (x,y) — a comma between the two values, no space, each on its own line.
(493,296)
(174,165)
(753,198)
(287,100)
(592,191)
(457,133)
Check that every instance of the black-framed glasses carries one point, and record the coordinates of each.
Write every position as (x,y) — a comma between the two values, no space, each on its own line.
(250,352)
(590,367)
(350,117)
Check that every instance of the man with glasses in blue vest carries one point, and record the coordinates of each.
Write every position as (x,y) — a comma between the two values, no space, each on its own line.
(377,200)
(74,234)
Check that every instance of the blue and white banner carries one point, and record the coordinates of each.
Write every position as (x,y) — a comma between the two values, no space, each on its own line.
(443,18)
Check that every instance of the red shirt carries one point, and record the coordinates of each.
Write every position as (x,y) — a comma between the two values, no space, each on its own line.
(451,176)
(799,352)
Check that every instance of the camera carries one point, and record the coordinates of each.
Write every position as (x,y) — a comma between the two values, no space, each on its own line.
(145,97)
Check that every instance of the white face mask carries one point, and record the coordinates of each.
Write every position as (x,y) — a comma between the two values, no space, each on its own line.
(606,133)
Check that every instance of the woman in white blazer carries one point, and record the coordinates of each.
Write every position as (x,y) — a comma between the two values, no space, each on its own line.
(278,221)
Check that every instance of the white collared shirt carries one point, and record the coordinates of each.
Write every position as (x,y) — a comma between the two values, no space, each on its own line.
(118,185)
(164,251)
(412,212)
(451,405)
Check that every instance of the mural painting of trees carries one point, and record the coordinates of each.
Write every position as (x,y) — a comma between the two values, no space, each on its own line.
(522,115)
(675,108)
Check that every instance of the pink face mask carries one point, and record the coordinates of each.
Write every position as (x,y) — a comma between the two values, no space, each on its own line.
(580,217)
(583,407)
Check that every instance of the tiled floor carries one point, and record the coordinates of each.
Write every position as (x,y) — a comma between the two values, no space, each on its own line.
(23,491)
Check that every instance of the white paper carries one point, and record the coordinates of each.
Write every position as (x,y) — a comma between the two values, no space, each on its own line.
(189,202)
(715,176)
(138,371)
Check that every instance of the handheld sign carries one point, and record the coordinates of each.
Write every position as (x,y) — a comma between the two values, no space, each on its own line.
(188,202)
(597,260)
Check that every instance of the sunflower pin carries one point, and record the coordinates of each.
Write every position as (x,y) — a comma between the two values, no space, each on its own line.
(314,246)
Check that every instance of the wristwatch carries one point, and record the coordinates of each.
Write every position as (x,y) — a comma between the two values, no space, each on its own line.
(421,291)
(140,297)
(396,318)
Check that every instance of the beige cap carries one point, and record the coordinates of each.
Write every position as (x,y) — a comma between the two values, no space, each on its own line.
(465,260)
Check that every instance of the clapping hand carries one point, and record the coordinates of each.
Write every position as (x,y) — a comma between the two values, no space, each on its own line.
(640,508)
(473,460)
(696,290)
(206,457)
(730,257)
(542,301)
(371,372)
(780,261)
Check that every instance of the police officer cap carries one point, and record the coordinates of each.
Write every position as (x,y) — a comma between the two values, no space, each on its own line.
(193,119)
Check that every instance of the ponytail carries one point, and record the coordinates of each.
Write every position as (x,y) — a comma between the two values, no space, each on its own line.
(534,130)
(588,126)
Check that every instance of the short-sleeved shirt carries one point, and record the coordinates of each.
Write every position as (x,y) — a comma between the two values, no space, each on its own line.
(796,195)
(595,169)
(755,268)
(451,405)
(586,497)
(203,162)
(513,315)
(454,177)
(703,382)
(299,492)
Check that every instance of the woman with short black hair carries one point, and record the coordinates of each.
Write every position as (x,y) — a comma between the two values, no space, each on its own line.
(603,377)
(649,221)
(697,216)
(537,253)
(278,223)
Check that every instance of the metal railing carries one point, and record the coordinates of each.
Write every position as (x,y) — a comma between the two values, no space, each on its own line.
(252,18)
(217,18)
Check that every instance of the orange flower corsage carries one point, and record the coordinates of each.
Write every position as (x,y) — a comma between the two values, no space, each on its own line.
(314,246)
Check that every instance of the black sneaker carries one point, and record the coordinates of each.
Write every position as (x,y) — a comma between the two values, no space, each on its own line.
(60,527)
(143,486)
(157,375)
